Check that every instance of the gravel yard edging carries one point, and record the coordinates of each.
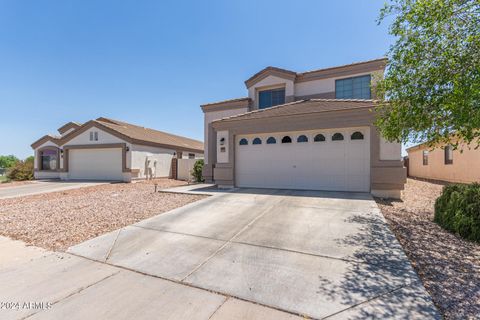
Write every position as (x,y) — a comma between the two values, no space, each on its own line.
(58,220)
(448,266)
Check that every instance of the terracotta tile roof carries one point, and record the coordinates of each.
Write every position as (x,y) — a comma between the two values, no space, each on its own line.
(139,133)
(303,107)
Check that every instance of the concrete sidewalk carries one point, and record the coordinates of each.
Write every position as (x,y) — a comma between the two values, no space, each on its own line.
(38,284)
(39,187)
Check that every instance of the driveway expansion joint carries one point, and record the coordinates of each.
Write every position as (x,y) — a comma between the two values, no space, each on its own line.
(190,285)
(75,292)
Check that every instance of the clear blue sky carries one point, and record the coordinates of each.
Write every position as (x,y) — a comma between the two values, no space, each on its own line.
(153,63)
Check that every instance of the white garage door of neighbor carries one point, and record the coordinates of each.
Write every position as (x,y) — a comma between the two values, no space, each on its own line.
(333,164)
(95,164)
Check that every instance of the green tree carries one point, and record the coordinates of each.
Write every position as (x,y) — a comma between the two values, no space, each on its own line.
(22,170)
(7,161)
(432,80)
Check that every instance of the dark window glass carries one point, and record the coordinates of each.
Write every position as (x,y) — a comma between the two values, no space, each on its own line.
(448,155)
(257,141)
(302,138)
(191,156)
(357,135)
(243,142)
(353,88)
(337,137)
(48,159)
(425,157)
(270,98)
(271,140)
(319,138)
(286,139)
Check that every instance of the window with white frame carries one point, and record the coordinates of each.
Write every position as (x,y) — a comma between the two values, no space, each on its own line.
(93,135)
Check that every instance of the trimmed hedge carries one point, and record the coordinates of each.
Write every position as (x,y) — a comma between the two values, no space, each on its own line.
(458,210)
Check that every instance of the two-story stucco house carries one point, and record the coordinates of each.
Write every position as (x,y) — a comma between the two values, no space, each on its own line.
(106,149)
(310,130)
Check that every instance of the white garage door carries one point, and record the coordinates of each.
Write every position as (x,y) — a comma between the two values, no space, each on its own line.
(337,159)
(95,164)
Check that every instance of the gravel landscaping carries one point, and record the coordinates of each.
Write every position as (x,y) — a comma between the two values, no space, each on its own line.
(448,265)
(58,220)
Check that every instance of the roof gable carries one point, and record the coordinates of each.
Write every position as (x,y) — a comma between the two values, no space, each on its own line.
(130,133)
(270,71)
(67,126)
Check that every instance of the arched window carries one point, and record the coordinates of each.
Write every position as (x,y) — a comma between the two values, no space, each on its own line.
(302,138)
(337,137)
(48,159)
(257,141)
(357,135)
(319,138)
(286,139)
(243,142)
(271,140)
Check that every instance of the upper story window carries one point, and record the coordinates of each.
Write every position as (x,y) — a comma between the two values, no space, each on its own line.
(270,98)
(93,135)
(353,88)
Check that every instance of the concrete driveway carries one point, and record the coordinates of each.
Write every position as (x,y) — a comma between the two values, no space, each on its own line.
(315,254)
(39,187)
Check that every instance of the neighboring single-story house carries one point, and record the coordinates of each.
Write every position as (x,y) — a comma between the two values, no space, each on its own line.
(443,163)
(106,149)
(311,130)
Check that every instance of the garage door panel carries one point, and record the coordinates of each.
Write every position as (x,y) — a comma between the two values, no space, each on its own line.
(95,164)
(328,165)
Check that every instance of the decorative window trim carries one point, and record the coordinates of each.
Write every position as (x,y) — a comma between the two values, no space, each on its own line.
(319,138)
(256,141)
(302,138)
(271,140)
(337,136)
(357,135)
(286,139)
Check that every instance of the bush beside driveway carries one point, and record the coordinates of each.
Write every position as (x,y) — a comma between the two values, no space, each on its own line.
(58,220)
(448,265)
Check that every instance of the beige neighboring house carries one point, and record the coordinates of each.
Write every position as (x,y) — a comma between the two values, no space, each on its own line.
(310,130)
(106,149)
(444,163)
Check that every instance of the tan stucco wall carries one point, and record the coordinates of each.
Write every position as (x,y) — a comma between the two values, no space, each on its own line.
(465,167)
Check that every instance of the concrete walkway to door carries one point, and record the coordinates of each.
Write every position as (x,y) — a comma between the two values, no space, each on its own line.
(319,254)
